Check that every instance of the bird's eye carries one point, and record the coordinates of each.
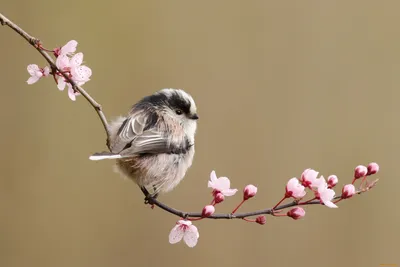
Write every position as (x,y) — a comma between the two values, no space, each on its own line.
(178,111)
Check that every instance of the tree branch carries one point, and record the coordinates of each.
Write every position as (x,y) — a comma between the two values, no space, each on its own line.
(269,211)
(35,43)
(149,198)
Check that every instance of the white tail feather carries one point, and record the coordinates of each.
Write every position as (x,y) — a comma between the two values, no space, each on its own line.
(101,157)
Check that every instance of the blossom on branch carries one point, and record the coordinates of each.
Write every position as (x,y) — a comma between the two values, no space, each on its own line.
(187,231)
(249,191)
(348,191)
(309,179)
(296,213)
(332,181)
(360,171)
(73,67)
(294,189)
(325,194)
(36,73)
(221,185)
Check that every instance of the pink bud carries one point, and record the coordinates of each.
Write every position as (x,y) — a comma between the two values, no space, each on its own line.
(360,171)
(249,191)
(219,197)
(332,181)
(57,51)
(296,213)
(208,211)
(373,168)
(348,191)
(261,219)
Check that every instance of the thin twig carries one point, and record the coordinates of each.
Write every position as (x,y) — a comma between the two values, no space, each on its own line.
(35,43)
(269,211)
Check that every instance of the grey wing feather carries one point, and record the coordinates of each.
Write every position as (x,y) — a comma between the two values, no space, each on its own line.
(132,138)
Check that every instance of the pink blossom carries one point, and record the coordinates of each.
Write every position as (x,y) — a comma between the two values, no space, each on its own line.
(295,189)
(261,219)
(348,191)
(221,185)
(249,191)
(36,73)
(360,171)
(296,213)
(325,195)
(187,231)
(208,211)
(373,168)
(309,178)
(332,181)
(67,49)
(79,74)
(218,198)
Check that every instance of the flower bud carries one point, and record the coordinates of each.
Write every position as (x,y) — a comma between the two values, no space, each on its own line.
(261,220)
(332,181)
(249,191)
(348,191)
(219,197)
(296,213)
(360,171)
(208,211)
(373,168)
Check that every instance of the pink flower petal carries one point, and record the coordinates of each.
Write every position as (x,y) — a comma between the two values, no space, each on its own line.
(71,93)
(229,192)
(69,48)
(32,69)
(32,80)
(213,177)
(77,60)
(81,73)
(222,183)
(176,234)
(62,62)
(46,71)
(61,83)
(191,236)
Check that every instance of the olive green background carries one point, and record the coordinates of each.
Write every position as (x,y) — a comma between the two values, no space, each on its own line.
(280,86)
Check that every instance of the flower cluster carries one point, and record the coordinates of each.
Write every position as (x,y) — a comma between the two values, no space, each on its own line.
(67,63)
(321,189)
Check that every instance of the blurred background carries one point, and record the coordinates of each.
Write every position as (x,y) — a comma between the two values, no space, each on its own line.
(280,87)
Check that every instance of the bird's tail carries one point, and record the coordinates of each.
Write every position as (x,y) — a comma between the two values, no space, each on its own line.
(104,155)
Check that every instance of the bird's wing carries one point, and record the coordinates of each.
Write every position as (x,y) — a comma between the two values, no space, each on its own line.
(138,135)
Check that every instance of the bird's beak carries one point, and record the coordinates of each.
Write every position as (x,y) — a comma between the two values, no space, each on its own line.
(194,117)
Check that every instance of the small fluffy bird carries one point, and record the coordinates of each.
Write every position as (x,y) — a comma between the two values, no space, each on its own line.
(154,144)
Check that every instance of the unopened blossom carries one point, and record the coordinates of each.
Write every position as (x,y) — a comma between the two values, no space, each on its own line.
(208,211)
(187,231)
(360,171)
(249,191)
(309,178)
(219,197)
(325,195)
(296,213)
(372,168)
(294,189)
(261,219)
(221,185)
(348,191)
(332,181)
(36,73)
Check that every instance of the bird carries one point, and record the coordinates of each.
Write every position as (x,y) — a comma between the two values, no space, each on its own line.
(154,144)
